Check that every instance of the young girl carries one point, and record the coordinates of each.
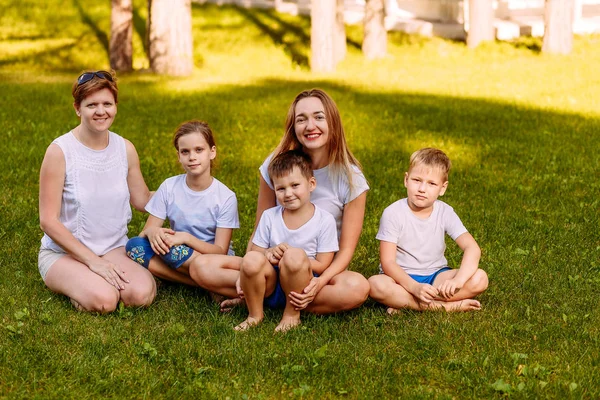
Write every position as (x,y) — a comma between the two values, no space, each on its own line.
(202,211)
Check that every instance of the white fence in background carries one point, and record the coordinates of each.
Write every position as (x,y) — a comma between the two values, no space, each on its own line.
(444,18)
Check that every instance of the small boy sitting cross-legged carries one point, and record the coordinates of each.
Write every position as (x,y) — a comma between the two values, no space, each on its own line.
(294,241)
(414,272)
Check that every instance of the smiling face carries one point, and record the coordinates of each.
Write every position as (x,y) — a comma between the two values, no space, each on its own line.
(97,111)
(424,185)
(195,154)
(293,190)
(310,124)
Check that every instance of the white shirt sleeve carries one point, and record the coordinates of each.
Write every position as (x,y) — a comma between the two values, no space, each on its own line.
(228,216)
(158,203)
(327,240)
(390,225)
(264,171)
(453,226)
(263,231)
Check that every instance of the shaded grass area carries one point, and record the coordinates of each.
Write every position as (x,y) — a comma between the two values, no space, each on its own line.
(520,129)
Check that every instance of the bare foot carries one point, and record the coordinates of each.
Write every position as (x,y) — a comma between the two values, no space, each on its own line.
(248,323)
(228,304)
(392,311)
(76,305)
(462,305)
(217,298)
(288,322)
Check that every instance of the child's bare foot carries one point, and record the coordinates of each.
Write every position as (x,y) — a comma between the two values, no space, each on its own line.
(462,305)
(76,305)
(392,311)
(288,322)
(248,323)
(229,304)
(217,298)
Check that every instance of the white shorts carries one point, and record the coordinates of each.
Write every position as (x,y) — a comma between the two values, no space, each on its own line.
(46,258)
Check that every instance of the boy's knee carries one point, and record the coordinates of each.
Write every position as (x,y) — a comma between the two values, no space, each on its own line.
(376,286)
(252,263)
(480,281)
(139,250)
(294,260)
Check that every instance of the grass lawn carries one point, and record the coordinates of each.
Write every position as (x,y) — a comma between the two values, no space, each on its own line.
(521,129)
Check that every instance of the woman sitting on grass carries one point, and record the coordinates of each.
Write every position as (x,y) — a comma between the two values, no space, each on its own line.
(88,179)
(202,211)
(313,125)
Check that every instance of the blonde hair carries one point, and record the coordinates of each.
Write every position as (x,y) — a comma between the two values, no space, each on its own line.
(431,157)
(341,159)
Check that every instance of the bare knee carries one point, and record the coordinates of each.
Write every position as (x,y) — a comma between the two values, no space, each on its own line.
(294,261)
(358,287)
(140,296)
(378,286)
(101,301)
(479,281)
(252,264)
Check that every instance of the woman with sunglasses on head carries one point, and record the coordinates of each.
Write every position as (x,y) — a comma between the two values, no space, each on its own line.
(89,177)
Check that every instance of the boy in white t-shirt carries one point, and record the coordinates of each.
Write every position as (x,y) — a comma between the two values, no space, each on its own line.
(414,271)
(294,241)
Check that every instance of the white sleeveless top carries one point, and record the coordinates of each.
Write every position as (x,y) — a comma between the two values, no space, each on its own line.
(95,202)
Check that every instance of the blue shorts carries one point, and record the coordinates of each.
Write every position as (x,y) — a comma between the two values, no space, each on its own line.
(277,298)
(428,279)
(140,251)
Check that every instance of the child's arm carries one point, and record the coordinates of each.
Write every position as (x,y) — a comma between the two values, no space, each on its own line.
(321,262)
(221,245)
(468,266)
(387,254)
(156,234)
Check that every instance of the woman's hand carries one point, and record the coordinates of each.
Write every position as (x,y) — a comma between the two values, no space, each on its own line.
(110,272)
(301,300)
(157,237)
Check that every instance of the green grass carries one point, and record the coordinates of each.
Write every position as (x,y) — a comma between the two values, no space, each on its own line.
(521,129)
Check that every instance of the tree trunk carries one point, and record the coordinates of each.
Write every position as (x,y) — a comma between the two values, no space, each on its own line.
(121,30)
(481,22)
(558,26)
(339,46)
(322,25)
(375,40)
(170,46)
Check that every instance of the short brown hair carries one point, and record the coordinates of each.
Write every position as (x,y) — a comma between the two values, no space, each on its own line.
(431,157)
(96,84)
(194,126)
(284,163)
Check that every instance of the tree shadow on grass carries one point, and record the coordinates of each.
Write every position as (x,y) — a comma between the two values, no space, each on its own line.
(86,19)
(294,39)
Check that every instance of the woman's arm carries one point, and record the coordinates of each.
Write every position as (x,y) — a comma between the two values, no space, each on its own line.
(138,191)
(266,200)
(52,180)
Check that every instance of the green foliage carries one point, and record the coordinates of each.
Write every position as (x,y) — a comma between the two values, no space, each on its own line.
(520,128)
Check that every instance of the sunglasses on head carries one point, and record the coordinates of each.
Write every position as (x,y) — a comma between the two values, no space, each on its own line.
(88,76)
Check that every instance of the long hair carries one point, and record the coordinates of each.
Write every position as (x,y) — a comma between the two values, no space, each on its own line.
(341,159)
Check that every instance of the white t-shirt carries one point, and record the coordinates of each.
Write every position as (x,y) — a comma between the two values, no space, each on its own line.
(197,213)
(330,196)
(419,242)
(317,235)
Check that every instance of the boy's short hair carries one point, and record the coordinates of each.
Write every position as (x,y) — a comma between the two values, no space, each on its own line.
(284,163)
(431,157)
